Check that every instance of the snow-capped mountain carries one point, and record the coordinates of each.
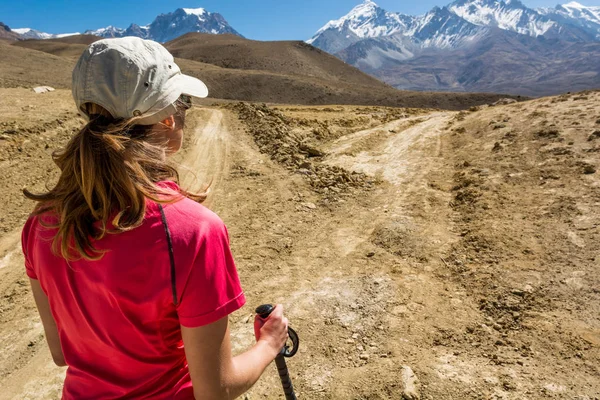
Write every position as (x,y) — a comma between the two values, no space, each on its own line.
(112,32)
(438,29)
(431,48)
(575,14)
(169,26)
(514,16)
(442,29)
(510,15)
(571,21)
(367,20)
(28,33)
(579,11)
(108,32)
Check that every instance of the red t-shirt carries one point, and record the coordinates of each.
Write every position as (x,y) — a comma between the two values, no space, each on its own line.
(118,325)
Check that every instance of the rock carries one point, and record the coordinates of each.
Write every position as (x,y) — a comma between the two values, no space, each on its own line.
(311,151)
(43,89)
(589,169)
(364,356)
(595,135)
(410,383)
(503,102)
(548,133)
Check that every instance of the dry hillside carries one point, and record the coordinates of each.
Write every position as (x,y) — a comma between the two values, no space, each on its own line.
(69,46)
(20,67)
(460,248)
(241,69)
(294,58)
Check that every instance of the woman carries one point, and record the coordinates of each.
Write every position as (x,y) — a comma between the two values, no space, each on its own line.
(133,278)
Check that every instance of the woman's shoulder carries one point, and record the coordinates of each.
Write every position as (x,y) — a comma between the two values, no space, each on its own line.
(187,211)
(47,220)
(39,226)
(187,219)
(192,212)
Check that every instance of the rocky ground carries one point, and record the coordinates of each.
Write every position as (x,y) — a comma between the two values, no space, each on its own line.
(419,253)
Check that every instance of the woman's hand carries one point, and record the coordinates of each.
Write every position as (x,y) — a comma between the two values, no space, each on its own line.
(273,331)
(215,373)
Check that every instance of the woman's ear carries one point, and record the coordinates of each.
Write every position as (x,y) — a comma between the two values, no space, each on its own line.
(170,122)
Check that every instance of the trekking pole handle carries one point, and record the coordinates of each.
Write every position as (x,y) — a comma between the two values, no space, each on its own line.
(288,389)
(263,312)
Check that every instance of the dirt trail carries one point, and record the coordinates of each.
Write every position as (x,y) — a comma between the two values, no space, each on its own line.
(356,305)
(392,151)
(206,157)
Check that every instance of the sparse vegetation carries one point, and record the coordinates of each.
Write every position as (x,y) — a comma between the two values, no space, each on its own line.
(547,133)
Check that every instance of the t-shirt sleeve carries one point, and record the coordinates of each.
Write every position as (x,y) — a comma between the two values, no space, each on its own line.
(25,234)
(212,289)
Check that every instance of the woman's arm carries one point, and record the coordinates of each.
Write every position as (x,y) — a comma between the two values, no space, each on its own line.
(50,329)
(215,373)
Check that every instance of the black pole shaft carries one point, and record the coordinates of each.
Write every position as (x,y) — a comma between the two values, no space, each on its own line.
(284,375)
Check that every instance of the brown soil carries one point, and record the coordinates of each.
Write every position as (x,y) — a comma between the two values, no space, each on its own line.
(68,46)
(21,67)
(60,49)
(457,248)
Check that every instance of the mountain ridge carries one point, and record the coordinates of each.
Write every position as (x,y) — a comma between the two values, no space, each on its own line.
(367,20)
(438,39)
(164,28)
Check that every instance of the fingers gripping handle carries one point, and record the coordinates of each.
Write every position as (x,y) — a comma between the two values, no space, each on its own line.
(263,312)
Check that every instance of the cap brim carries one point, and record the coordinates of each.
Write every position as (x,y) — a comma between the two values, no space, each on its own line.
(192,86)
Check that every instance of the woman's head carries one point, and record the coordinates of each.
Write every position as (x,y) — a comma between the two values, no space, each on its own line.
(133,79)
(135,98)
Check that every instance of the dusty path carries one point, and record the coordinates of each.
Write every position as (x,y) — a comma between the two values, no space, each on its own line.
(206,158)
(361,311)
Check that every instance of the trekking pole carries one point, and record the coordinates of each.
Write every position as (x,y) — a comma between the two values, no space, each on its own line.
(263,312)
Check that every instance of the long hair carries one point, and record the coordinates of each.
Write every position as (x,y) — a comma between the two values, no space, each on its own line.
(108,170)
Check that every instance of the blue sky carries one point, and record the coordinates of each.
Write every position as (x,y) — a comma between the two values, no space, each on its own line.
(255,19)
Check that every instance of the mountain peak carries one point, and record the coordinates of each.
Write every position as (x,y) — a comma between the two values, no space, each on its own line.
(166,27)
(365,9)
(194,11)
(574,4)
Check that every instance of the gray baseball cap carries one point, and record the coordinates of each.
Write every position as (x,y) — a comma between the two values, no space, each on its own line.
(132,78)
